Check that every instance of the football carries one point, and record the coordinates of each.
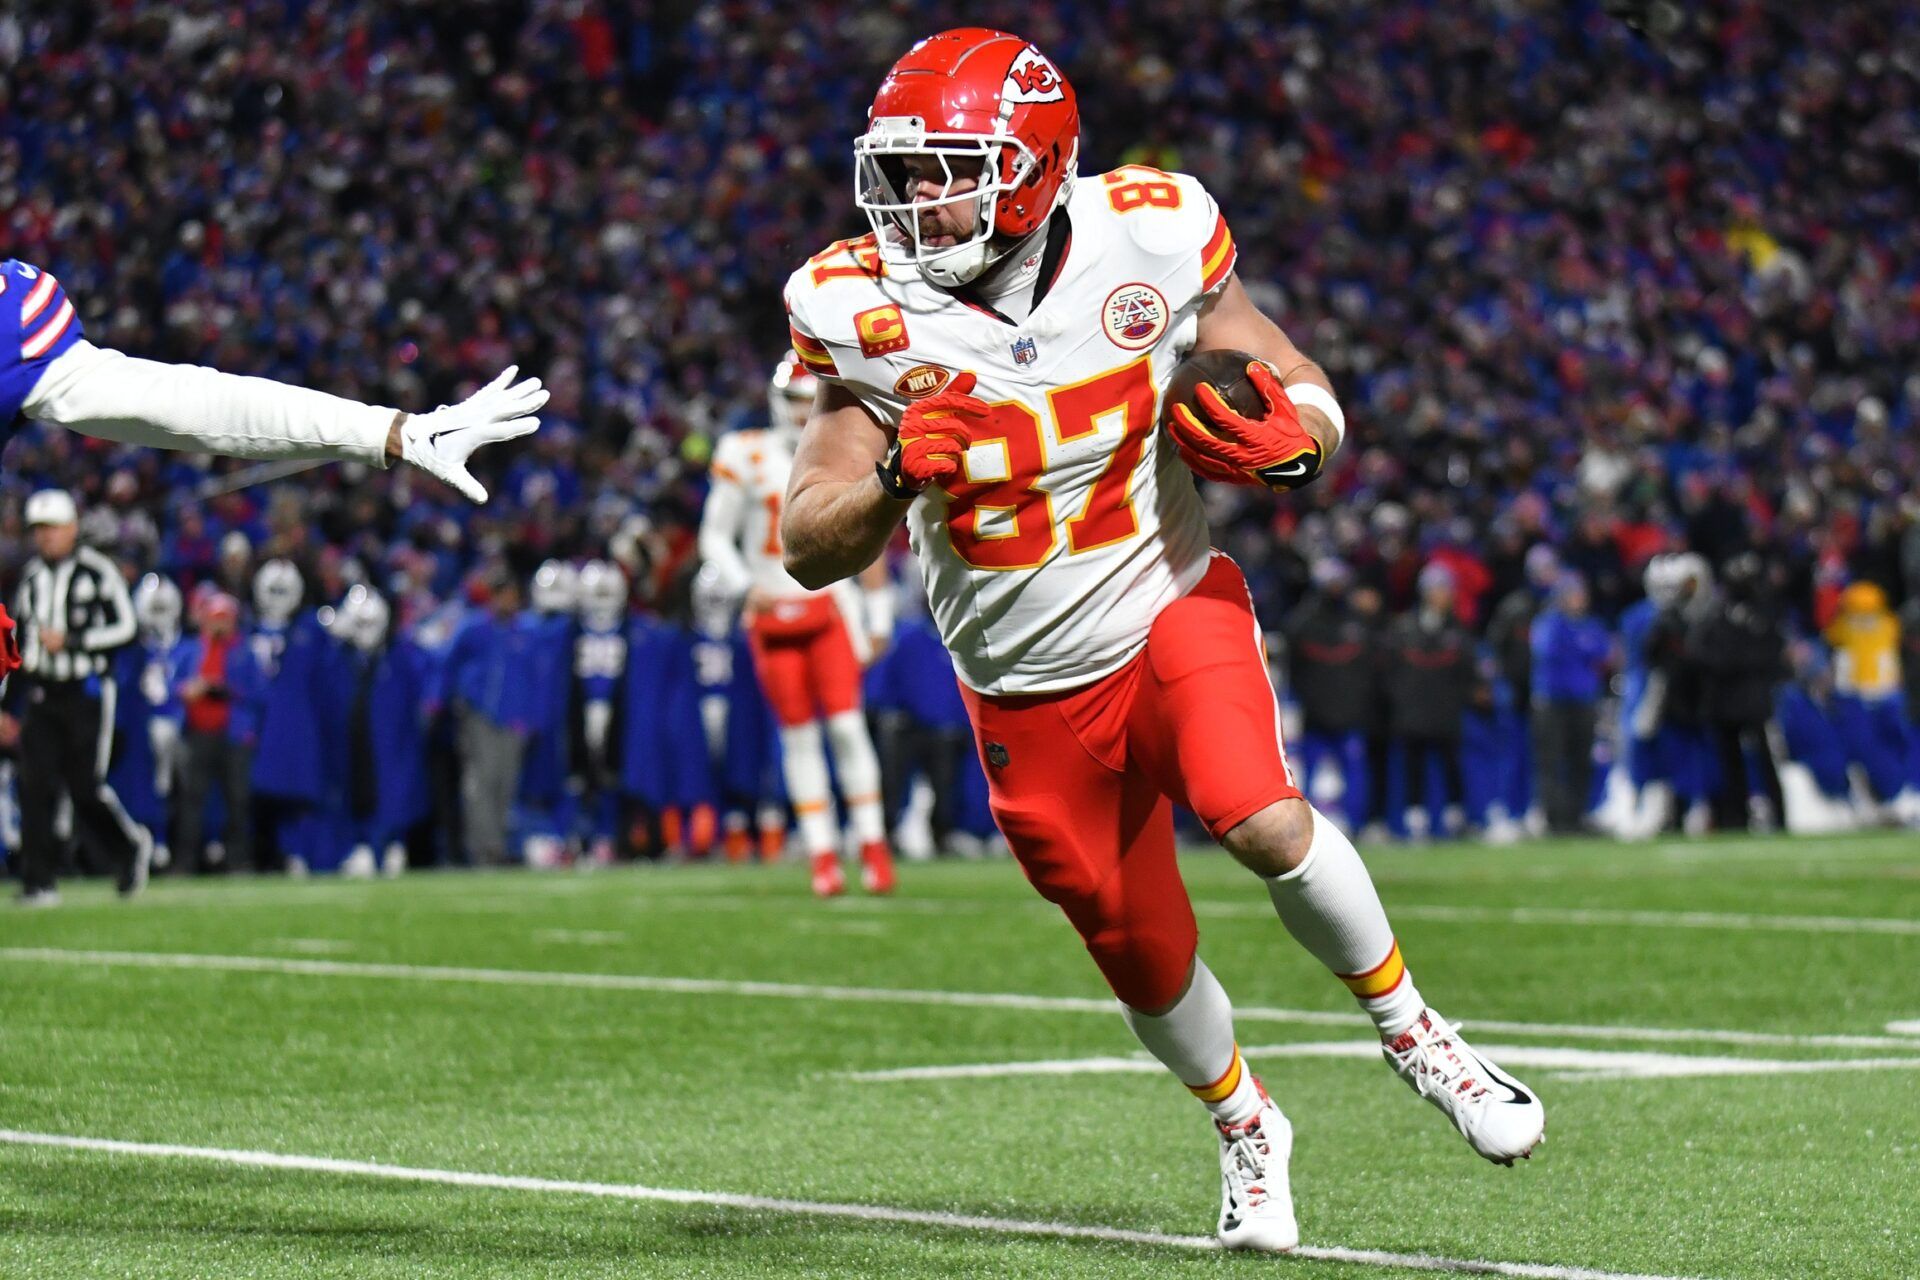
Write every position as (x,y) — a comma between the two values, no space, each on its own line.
(1227,371)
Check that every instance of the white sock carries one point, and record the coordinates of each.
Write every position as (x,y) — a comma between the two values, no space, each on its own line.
(1329,905)
(803,759)
(1194,1039)
(859,770)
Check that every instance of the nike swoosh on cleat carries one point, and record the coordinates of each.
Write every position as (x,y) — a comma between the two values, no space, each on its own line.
(1520,1096)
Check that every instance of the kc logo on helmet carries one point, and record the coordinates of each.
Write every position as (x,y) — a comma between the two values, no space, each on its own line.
(881,330)
(1032,78)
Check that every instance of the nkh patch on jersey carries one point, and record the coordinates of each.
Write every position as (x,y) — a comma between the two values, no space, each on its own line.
(1072,522)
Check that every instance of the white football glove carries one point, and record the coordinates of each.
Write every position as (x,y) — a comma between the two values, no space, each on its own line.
(439,443)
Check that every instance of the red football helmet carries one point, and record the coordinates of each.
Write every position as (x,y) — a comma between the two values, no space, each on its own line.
(790,395)
(974,93)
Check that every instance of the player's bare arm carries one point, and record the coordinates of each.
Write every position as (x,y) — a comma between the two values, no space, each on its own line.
(1231,322)
(837,516)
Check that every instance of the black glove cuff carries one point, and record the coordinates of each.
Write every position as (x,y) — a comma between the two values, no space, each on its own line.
(892,483)
(1296,472)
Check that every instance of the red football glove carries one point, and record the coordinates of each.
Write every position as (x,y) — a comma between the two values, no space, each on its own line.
(1273,450)
(933,438)
(9,645)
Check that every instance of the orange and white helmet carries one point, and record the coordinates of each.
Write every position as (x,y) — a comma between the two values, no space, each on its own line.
(982,95)
(790,395)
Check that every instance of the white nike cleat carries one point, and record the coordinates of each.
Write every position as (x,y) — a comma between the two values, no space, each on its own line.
(1256,1199)
(1497,1115)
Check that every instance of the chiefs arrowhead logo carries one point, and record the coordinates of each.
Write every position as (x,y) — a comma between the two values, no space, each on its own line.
(1032,78)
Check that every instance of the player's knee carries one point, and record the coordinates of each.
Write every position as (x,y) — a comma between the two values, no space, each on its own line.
(1275,840)
(1146,966)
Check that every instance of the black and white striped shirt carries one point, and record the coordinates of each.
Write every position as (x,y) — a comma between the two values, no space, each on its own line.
(83,596)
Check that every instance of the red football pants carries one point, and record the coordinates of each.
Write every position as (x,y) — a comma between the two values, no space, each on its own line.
(1082,783)
(805,659)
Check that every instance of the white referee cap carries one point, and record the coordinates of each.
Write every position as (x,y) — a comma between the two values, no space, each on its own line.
(52,506)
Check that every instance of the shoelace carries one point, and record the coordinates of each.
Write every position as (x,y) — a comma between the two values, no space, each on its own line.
(1433,1061)
(1248,1147)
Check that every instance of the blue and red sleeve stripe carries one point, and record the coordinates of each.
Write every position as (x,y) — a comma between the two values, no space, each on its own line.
(47,318)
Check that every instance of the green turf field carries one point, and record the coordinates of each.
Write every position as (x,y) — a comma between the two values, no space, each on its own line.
(1708,1023)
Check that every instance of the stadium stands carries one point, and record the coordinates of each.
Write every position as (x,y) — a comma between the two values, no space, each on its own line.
(1617,298)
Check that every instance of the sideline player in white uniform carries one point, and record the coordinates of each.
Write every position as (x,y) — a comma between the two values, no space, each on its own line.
(809,647)
(49,372)
(994,358)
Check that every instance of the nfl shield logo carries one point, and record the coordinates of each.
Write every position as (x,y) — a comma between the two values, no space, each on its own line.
(1024,352)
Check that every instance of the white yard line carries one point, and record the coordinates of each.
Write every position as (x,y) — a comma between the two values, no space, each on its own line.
(772,1204)
(1255,909)
(1609,918)
(582,937)
(1105,1006)
(1258,909)
(1606,918)
(1552,1062)
(312,946)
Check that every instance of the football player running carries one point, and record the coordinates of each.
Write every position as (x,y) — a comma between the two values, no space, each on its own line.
(993,358)
(50,373)
(808,646)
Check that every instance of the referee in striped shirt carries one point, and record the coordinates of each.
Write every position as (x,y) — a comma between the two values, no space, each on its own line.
(73,611)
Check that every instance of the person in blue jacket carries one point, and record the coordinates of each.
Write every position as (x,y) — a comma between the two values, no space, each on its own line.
(1643,702)
(485,679)
(278,692)
(1809,727)
(664,767)
(743,736)
(547,807)
(1571,651)
(377,766)
(148,714)
(599,676)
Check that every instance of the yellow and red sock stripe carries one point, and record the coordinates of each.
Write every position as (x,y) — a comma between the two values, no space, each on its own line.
(812,352)
(1380,979)
(1217,258)
(1222,1089)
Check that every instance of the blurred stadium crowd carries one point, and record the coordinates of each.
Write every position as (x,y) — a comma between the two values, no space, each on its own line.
(1608,313)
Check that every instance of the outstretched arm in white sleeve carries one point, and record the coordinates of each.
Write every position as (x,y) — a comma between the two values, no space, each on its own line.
(104,393)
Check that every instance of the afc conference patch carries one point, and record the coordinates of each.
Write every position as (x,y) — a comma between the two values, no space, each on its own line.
(1134,316)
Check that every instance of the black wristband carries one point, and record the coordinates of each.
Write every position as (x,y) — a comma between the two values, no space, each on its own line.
(1296,472)
(892,483)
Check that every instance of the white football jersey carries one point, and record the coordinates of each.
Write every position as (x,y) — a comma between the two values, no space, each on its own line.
(740,528)
(1074,522)
(757,463)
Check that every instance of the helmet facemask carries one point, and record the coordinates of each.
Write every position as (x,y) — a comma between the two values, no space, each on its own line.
(883,188)
(158,607)
(603,595)
(278,591)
